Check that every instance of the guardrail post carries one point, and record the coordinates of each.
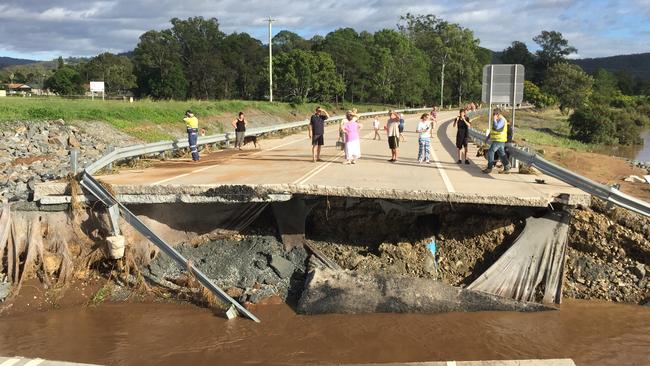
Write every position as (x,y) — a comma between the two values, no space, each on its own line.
(227,140)
(74,160)
(109,150)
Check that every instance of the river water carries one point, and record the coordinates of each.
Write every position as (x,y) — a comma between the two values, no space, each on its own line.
(635,152)
(592,333)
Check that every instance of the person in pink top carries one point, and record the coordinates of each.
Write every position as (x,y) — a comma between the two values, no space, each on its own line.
(352,140)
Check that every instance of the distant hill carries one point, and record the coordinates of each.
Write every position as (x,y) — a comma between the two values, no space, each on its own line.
(635,64)
(10,61)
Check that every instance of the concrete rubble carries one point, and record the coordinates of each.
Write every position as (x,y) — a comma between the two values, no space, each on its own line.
(350,292)
(36,152)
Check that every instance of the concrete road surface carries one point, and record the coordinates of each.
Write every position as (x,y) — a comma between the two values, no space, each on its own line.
(287,161)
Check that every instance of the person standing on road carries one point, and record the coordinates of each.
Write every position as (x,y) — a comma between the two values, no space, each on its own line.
(401,127)
(424,139)
(239,124)
(192,124)
(498,137)
(316,132)
(375,126)
(434,118)
(352,140)
(462,134)
(392,130)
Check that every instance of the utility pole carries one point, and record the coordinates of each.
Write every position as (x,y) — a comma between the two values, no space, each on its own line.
(270,60)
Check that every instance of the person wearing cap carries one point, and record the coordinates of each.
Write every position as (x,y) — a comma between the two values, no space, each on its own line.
(498,137)
(317,131)
(192,124)
(392,130)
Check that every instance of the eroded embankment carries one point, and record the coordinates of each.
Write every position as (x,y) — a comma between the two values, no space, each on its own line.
(239,248)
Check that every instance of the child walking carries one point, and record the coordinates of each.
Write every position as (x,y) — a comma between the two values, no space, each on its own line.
(375,126)
(424,138)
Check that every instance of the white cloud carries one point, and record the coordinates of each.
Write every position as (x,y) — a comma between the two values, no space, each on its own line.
(86,27)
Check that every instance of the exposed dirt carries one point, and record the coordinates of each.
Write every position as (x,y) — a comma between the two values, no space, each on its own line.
(601,168)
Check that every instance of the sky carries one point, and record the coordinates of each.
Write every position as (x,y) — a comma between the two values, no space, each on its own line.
(46,29)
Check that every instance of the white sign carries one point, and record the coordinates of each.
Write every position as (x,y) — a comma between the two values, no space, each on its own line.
(97,86)
(503,84)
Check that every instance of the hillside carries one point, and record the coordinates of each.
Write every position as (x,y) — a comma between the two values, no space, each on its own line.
(636,64)
(10,61)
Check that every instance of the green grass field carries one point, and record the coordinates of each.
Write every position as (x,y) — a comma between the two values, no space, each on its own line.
(154,120)
(542,128)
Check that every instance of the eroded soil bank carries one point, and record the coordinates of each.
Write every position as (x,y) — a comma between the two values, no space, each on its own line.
(608,256)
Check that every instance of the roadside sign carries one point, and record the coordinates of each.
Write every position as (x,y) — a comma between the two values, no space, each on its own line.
(503,84)
(97,86)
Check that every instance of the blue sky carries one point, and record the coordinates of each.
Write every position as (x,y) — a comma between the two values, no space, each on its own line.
(45,29)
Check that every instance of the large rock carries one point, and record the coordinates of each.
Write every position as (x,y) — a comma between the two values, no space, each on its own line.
(330,291)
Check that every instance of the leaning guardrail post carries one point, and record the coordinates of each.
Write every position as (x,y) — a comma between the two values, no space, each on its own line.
(97,190)
(109,150)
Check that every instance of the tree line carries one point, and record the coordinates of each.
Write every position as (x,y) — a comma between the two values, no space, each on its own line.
(424,60)
(194,59)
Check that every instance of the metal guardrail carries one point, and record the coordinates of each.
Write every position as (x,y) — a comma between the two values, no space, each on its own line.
(97,190)
(94,187)
(161,146)
(606,193)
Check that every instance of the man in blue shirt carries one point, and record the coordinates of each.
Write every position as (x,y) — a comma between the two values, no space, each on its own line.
(498,137)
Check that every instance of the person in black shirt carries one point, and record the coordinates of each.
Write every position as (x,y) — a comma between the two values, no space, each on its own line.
(316,132)
(240,129)
(462,121)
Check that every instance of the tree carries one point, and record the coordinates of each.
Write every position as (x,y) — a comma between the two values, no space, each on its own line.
(65,81)
(406,67)
(245,62)
(593,124)
(569,84)
(306,76)
(286,41)
(352,60)
(533,94)
(158,66)
(115,71)
(199,40)
(553,48)
(605,87)
(442,42)
(517,53)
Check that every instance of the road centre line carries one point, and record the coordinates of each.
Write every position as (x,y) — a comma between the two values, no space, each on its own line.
(34,362)
(10,362)
(312,173)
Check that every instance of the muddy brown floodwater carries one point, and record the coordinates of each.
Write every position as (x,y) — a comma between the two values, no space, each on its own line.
(591,333)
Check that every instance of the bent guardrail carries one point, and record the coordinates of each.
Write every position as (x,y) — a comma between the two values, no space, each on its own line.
(97,190)
(607,193)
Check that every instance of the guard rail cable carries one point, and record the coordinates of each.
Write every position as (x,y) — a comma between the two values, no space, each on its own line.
(97,190)
(606,193)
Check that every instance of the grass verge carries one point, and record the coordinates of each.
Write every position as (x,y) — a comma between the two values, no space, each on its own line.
(156,120)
